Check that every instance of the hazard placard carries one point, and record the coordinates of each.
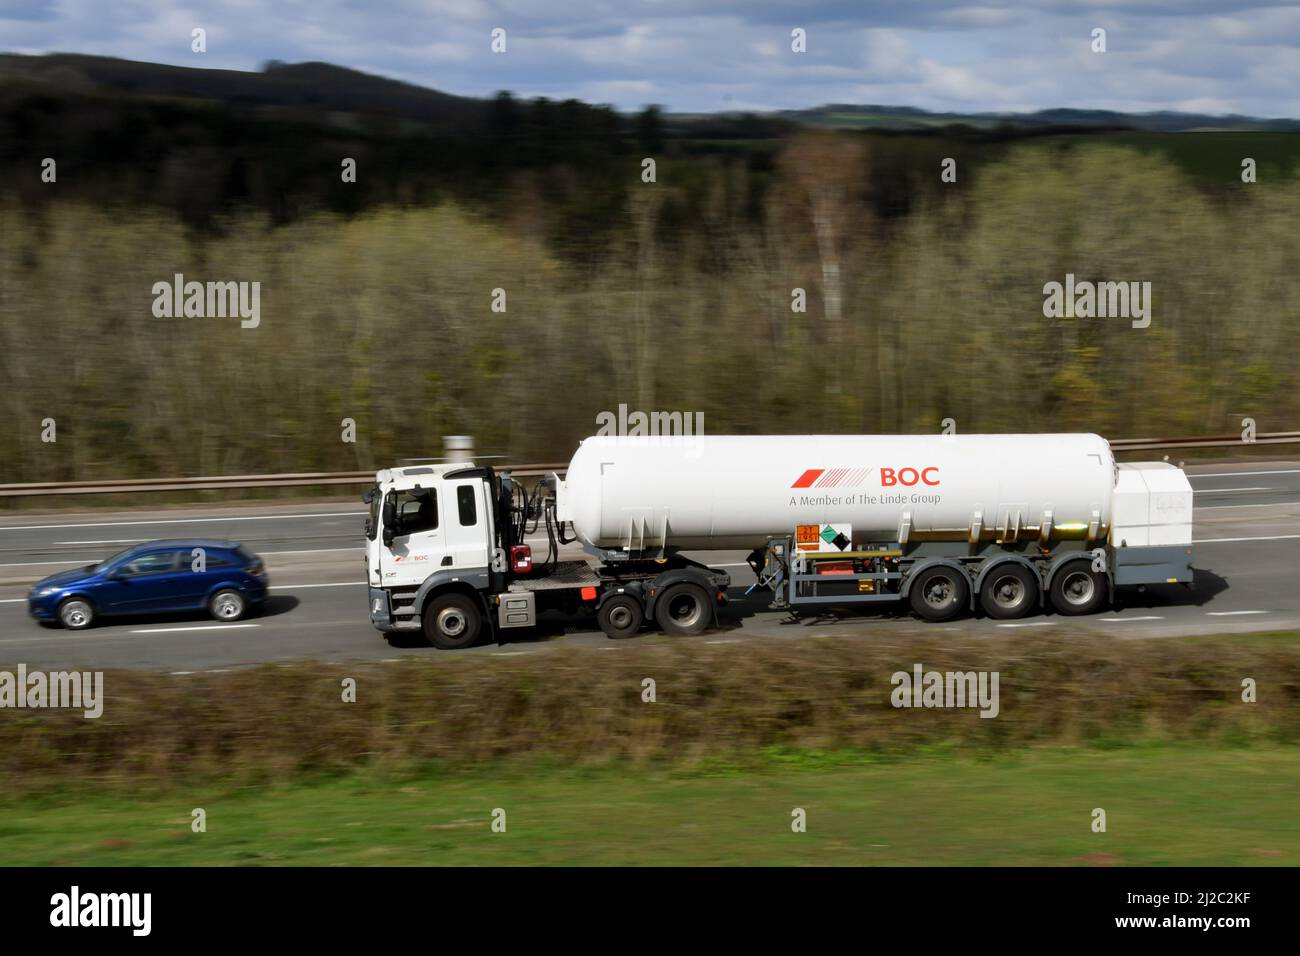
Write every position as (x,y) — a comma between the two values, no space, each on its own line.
(823,538)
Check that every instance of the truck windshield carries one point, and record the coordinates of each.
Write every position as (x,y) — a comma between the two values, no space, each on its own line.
(373,498)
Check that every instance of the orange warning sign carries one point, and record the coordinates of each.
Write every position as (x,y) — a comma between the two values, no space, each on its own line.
(806,537)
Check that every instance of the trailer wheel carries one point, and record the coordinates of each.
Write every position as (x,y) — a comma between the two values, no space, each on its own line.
(683,609)
(452,621)
(620,616)
(1009,591)
(1078,589)
(939,594)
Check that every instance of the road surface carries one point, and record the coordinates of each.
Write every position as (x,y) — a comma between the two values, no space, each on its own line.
(1247,537)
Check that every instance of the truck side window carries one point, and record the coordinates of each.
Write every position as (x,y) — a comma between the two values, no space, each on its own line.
(465,502)
(417,511)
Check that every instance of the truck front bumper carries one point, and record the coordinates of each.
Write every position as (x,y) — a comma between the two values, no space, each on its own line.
(381,611)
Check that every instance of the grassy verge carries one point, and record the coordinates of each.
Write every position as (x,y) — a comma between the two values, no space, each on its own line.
(279,723)
(1165,805)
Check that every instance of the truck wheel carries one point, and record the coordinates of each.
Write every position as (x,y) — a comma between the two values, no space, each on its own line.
(683,609)
(620,616)
(939,594)
(1078,589)
(1009,591)
(76,613)
(452,622)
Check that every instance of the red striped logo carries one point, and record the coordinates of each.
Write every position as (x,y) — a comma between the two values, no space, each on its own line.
(832,478)
(808,477)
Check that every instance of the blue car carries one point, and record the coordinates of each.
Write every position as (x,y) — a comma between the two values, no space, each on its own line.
(156,578)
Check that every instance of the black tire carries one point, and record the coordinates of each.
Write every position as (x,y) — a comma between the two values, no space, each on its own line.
(452,621)
(76,613)
(684,609)
(227,605)
(1009,591)
(620,616)
(1078,589)
(939,594)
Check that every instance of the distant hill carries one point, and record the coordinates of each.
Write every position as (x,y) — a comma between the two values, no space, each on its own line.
(314,86)
(335,89)
(852,116)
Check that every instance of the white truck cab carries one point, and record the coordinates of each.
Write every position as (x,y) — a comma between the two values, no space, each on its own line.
(445,554)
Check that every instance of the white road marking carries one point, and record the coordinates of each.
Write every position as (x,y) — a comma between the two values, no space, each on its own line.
(35,564)
(13,601)
(1232,613)
(202,627)
(1030,624)
(134,524)
(1124,620)
(106,541)
(332,584)
(1271,537)
(270,554)
(1220,491)
(1273,504)
(1246,474)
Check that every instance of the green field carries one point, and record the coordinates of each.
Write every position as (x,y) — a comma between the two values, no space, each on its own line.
(1176,805)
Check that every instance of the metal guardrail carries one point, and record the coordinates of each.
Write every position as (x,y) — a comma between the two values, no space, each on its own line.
(304,479)
(217,483)
(1204,441)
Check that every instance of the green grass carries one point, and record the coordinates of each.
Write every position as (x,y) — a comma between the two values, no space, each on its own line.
(1165,806)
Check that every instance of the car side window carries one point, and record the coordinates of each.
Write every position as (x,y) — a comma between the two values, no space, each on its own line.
(149,563)
(417,511)
(466,505)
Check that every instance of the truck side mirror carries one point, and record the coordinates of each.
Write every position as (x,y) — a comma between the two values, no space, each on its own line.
(389,515)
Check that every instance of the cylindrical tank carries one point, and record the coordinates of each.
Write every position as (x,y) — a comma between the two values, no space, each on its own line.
(734,491)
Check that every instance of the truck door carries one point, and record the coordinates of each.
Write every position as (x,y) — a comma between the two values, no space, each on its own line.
(467,529)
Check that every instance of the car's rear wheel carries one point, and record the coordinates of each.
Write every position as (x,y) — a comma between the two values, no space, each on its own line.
(227,605)
(76,613)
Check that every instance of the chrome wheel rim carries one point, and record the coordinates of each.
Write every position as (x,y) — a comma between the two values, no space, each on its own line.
(228,606)
(1078,587)
(684,610)
(939,591)
(1008,591)
(451,622)
(76,614)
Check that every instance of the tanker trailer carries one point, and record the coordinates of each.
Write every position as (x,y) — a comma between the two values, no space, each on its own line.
(954,523)
(1006,523)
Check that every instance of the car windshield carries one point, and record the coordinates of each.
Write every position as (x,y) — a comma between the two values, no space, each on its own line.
(111,560)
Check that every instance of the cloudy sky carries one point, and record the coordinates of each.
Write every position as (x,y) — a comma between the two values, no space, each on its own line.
(1211,56)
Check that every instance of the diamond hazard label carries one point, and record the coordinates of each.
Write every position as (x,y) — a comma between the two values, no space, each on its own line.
(823,538)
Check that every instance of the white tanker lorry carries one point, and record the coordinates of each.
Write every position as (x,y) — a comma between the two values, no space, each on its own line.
(1006,524)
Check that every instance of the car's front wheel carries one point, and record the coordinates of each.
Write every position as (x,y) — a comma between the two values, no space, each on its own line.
(76,613)
(227,605)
